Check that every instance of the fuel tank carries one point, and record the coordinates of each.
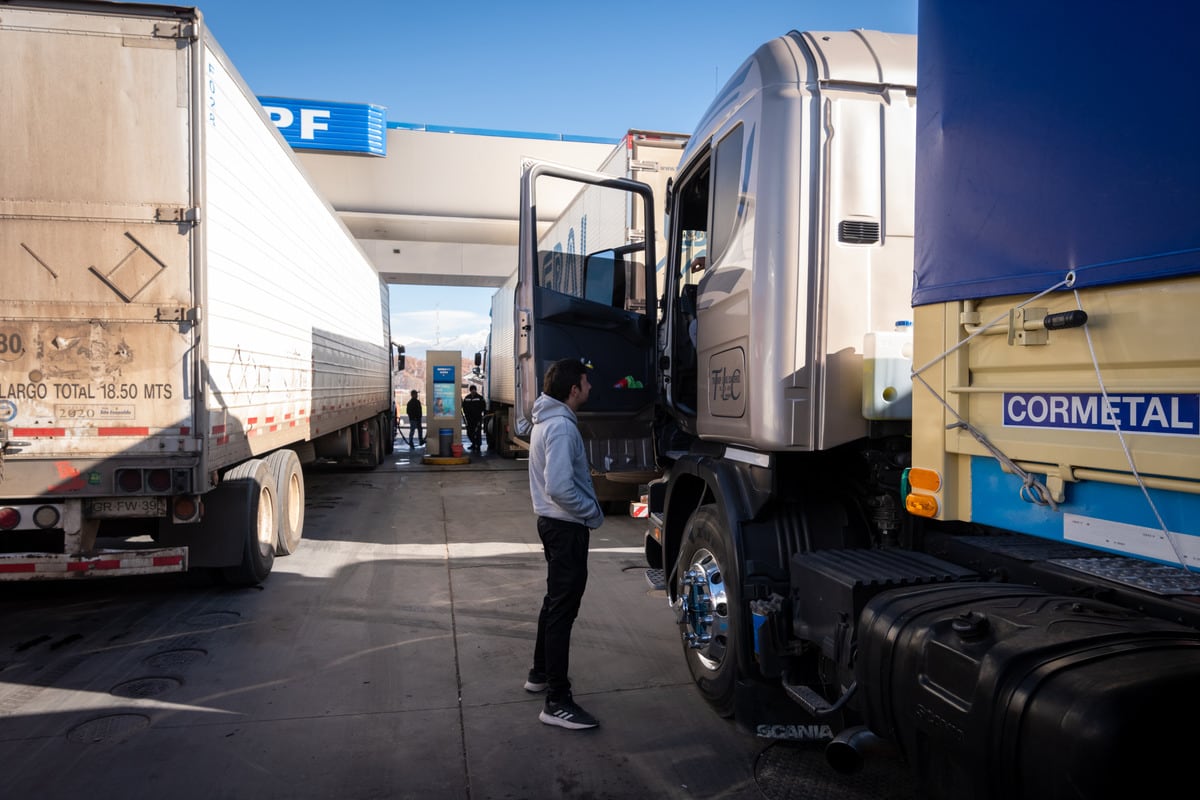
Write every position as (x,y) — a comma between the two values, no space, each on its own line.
(1003,691)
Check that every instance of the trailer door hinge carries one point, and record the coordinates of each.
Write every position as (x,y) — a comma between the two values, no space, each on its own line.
(175,30)
(189,316)
(177,214)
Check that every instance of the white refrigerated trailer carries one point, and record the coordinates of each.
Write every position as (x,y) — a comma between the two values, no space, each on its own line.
(184,320)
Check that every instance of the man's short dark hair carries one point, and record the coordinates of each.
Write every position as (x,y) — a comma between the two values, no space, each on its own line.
(414,392)
(561,376)
(471,388)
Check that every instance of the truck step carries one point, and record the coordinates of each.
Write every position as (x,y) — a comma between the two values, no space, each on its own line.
(657,578)
(808,699)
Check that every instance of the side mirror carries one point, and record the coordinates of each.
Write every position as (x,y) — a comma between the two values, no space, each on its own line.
(400,358)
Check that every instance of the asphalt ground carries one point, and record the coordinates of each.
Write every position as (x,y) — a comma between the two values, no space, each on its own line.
(384,659)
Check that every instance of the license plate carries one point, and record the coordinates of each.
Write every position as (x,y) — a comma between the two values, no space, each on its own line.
(108,507)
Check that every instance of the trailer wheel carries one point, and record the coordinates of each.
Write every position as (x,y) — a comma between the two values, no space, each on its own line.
(710,623)
(284,467)
(257,522)
(503,442)
(489,431)
(388,427)
(377,442)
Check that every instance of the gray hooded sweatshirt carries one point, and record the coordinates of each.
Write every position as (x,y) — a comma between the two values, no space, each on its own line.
(560,483)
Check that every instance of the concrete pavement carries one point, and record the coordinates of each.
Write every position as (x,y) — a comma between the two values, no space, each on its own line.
(384,659)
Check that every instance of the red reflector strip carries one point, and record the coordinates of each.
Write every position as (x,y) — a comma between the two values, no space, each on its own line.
(123,431)
(218,429)
(223,440)
(18,567)
(167,561)
(33,433)
(184,431)
(87,566)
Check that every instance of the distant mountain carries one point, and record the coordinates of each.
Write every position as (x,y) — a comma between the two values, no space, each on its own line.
(468,343)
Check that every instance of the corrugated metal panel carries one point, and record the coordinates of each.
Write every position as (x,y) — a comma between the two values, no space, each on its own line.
(293,304)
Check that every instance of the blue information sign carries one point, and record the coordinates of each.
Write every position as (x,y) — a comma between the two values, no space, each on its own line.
(336,127)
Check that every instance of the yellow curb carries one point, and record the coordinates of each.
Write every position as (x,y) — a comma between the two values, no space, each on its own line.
(445,461)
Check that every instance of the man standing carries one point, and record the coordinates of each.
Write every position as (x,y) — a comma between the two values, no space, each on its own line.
(473,406)
(415,434)
(560,485)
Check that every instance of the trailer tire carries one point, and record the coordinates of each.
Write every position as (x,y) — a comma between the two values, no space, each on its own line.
(489,432)
(284,466)
(711,622)
(387,425)
(503,442)
(377,449)
(256,523)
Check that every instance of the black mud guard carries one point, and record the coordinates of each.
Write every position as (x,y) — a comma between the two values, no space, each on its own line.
(216,540)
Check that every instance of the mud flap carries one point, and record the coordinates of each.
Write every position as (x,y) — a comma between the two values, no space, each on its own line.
(216,540)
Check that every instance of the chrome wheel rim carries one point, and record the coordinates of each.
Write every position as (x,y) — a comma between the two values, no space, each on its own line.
(704,609)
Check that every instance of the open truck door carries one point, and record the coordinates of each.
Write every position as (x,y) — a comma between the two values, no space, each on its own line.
(586,289)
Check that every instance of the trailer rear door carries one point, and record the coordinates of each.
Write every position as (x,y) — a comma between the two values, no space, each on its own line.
(97,221)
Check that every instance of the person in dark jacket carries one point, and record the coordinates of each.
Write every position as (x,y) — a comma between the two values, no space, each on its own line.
(415,434)
(473,408)
(564,499)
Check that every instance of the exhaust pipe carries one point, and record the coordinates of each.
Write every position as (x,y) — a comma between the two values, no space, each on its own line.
(849,749)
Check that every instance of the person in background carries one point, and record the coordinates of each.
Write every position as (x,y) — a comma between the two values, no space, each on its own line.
(473,407)
(415,434)
(564,499)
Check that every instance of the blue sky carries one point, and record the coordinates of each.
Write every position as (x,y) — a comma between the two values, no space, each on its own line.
(542,66)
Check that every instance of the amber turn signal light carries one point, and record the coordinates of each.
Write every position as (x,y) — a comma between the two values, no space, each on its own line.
(927,480)
(921,505)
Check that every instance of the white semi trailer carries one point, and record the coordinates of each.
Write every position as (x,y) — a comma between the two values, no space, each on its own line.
(184,320)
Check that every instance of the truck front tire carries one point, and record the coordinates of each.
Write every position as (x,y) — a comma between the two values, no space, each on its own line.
(710,619)
(256,522)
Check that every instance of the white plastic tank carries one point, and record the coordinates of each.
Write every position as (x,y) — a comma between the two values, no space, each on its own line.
(887,373)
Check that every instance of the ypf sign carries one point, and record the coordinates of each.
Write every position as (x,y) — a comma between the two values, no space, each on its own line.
(336,127)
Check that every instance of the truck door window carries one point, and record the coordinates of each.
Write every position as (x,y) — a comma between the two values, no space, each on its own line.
(587,253)
(689,252)
(727,190)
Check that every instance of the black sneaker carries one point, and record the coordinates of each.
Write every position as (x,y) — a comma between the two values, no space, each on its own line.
(536,682)
(567,715)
